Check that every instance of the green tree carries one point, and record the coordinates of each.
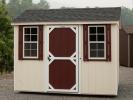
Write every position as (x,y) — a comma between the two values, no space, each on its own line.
(127,16)
(3,1)
(25,4)
(6,41)
(42,5)
(16,7)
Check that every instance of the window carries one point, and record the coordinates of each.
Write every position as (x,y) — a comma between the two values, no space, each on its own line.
(30,42)
(97,42)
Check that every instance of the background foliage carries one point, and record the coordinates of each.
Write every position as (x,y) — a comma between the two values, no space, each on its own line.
(15,7)
(12,9)
(6,41)
(127,16)
(7,12)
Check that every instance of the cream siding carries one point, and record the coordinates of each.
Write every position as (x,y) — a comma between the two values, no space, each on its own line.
(95,77)
(101,77)
(28,74)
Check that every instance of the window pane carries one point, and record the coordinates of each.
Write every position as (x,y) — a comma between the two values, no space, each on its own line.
(93,46)
(100,45)
(33,30)
(27,30)
(92,30)
(27,46)
(26,52)
(33,37)
(100,37)
(33,45)
(100,53)
(93,53)
(33,53)
(92,37)
(100,30)
(27,37)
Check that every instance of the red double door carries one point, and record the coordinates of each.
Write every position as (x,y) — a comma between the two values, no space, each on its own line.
(63,58)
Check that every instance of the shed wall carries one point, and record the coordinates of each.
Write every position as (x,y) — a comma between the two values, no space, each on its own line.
(29,75)
(101,77)
(95,77)
(123,48)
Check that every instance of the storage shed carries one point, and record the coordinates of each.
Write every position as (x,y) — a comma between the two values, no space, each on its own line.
(126,46)
(70,51)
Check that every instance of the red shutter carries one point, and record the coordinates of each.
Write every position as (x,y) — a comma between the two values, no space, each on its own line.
(20,43)
(40,53)
(108,42)
(85,42)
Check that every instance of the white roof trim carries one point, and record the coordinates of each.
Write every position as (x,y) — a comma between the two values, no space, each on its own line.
(70,23)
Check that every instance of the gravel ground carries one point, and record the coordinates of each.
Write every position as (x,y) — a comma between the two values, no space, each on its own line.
(125,90)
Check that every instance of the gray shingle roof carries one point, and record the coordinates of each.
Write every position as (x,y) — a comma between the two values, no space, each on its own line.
(76,14)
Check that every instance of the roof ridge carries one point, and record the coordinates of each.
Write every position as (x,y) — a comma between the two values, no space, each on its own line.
(74,8)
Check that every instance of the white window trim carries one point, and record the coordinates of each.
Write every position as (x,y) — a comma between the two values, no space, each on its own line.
(97,58)
(28,57)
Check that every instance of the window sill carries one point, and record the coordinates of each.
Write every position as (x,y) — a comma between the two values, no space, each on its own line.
(30,59)
(97,59)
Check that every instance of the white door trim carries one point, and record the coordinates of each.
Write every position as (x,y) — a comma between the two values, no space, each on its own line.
(75,88)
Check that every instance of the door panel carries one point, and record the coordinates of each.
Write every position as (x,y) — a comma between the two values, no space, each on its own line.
(62,58)
(62,74)
(62,42)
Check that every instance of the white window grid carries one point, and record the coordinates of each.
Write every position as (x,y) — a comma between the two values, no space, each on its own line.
(30,27)
(104,42)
